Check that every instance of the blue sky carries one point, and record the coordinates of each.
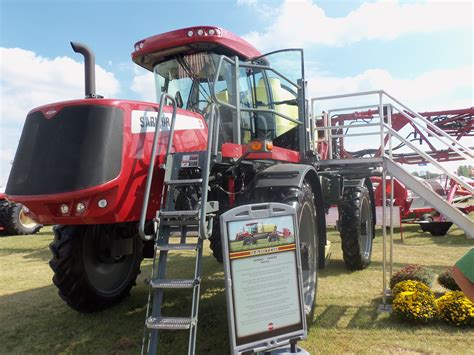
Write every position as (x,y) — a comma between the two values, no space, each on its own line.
(421,52)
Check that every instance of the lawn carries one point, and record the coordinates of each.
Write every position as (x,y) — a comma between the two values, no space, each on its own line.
(35,320)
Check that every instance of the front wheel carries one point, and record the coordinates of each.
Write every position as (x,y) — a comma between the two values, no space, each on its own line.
(356,227)
(308,248)
(95,266)
(303,201)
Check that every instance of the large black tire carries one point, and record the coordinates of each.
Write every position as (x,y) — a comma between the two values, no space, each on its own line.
(87,277)
(303,201)
(15,221)
(356,227)
(309,245)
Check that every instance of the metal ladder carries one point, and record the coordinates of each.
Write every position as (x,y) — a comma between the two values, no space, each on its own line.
(171,222)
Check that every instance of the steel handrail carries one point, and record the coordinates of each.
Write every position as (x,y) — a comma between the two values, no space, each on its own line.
(431,125)
(244,109)
(151,167)
(456,146)
(430,159)
(453,147)
(212,136)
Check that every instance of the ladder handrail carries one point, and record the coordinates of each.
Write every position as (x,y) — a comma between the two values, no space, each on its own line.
(431,125)
(212,141)
(151,167)
(420,126)
(431,160)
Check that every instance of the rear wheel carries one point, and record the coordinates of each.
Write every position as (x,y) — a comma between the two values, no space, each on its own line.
(95,266)
(356,227)
(15,219)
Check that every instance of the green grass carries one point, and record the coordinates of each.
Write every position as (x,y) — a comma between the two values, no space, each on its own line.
(33,319)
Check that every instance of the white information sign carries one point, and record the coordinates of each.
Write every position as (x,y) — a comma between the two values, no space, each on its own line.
(263,276)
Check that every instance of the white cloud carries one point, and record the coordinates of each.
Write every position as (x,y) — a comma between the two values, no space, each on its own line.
(438,89)
(28,80)
(302,23)
(144,85)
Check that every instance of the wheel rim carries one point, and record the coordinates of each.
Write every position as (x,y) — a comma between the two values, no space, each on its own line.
(105,274)
(365,235)
(26,221)
(308,250)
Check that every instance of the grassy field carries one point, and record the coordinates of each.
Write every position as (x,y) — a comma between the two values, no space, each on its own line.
(34,320)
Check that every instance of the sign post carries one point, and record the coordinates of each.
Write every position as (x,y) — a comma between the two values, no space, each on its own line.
(263,277)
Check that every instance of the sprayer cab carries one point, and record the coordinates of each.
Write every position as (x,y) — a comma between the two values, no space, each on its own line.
(200,66)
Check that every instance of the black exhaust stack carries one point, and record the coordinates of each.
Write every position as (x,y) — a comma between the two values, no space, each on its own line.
(89,68)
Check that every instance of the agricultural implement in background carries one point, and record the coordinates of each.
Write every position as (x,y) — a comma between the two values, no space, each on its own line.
(415,210)
(457,123)
(121,178)
(16,219)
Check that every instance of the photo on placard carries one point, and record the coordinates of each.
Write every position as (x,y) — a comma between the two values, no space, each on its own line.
(261,233)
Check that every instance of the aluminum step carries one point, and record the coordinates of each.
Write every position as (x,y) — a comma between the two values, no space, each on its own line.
(189,222)
(184,182)
(168,323)
(177,247)
(174,283)
(179,214)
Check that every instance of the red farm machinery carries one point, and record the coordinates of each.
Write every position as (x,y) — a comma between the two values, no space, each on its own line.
(120,178)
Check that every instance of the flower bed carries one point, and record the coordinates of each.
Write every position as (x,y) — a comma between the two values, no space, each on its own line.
(415,306)
(455,308)
(446,280)
(413,272)
(415,302)
(412,286)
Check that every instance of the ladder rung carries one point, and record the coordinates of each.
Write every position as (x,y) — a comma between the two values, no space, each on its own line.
(180,222)
(170,323)
(179,214)
(178,247)
(184,182)
(174,283)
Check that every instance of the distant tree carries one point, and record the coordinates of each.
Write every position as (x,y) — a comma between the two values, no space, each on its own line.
(465,170)
(415,173)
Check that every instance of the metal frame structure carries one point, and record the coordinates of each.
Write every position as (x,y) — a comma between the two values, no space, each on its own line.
(325,130)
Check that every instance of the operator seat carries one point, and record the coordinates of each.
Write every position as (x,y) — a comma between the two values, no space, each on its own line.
(281,124)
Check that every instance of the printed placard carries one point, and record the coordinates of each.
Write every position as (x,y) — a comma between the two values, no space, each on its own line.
(263,276)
